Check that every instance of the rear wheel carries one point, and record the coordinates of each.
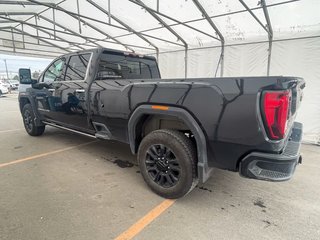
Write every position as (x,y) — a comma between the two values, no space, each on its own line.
(167,161)
(28,121)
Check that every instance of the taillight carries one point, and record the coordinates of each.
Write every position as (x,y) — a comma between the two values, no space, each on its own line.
(275,109)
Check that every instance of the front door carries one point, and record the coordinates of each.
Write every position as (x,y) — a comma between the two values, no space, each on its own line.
(65,101)
(73,111)
(47,103)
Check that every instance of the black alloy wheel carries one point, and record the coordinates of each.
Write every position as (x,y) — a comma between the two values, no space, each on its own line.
(27,118)
(29,121)
(162,165)
(168,162)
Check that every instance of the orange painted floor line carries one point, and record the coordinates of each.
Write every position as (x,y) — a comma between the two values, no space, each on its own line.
(43,154)
(145,220)
(137,227)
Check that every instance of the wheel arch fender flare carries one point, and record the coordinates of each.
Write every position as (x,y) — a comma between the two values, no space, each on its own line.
(204,171)
(29,99)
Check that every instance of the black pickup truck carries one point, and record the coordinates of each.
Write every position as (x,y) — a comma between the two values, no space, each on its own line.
(181,129)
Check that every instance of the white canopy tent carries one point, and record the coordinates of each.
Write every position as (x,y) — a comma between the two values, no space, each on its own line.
(190,38)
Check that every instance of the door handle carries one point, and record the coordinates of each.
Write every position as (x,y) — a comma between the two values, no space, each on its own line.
(51,90)
(80,90)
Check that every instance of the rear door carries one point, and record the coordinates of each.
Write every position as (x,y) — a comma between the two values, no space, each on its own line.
(111,99)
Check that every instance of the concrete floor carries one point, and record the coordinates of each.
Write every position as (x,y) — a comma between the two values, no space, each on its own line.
(95,192)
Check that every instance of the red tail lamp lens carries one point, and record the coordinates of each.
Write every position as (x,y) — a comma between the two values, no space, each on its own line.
(276,107)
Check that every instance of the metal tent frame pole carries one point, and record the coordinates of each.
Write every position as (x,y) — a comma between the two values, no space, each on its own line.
(23,3)
(254,16)
(140,3)
(42,27)
(75,16)
(270,35)
(110,15)
(25,42)
(212,17)
(267,28)
(12,38)
(36,22)
(57,46)
(143,31)
(37,28)
(69,30)
(215,28)
(36,37)
(50,34)
(172,19)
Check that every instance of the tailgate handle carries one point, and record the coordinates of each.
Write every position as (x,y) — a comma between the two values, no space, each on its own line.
(81,90)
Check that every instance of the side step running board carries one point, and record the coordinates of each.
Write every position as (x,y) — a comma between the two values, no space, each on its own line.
(102,135)
(68,129)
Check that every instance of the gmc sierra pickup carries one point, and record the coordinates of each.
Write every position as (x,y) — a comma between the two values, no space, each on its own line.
(181,129)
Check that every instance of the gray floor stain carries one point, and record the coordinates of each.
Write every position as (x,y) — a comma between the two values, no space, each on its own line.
(204,188)
(122,163)
(268,223)
(259,203)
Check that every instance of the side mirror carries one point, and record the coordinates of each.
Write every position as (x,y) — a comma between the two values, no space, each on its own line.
(25,76)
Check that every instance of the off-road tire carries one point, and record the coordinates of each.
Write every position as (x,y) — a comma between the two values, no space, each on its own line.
(28,121)
(184,151)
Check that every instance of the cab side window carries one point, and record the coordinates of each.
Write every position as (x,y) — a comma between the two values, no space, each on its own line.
(77,67)
(122,66)
(54,72)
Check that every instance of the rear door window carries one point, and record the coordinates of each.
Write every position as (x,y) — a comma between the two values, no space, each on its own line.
(77,67)
(121,66)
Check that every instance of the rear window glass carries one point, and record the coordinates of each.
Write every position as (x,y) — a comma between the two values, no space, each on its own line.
(119,65)
(77,67)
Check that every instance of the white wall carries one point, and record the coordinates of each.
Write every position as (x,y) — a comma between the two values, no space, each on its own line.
(246,60)
(199,64)
(300,57)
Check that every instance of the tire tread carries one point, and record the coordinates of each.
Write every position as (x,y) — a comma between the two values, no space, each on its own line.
(187,145)
(36,130)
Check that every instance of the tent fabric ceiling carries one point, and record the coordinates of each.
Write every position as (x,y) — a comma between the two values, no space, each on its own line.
(149,26)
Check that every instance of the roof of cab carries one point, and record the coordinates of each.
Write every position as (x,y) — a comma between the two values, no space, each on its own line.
(101,50)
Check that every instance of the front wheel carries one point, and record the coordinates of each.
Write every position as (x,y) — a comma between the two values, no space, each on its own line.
(167,160)
(28,121)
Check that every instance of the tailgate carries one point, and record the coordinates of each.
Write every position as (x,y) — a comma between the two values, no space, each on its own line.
(296,85)
(297,94)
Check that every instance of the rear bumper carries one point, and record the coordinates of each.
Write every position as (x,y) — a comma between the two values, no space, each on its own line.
(274,167)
